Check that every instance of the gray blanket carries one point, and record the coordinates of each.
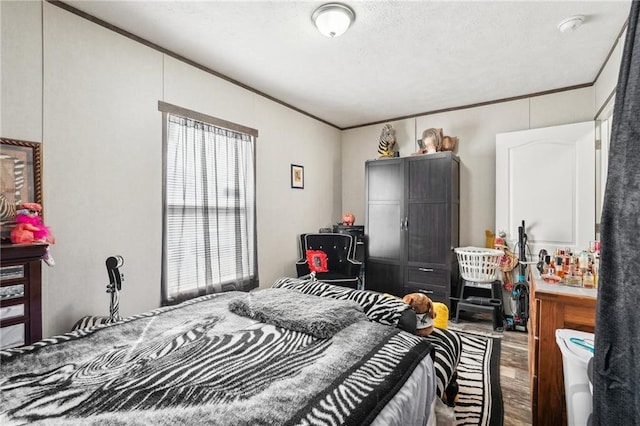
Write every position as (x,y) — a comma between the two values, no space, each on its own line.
(199,363)
(317,316)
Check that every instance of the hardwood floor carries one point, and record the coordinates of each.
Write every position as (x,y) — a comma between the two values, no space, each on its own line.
(514,374)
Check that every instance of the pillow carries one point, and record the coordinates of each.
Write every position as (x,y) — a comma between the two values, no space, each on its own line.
(376,306)
(442,315)
(317,261)
(321,317)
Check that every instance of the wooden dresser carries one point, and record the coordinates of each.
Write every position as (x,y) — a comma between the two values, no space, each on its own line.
(553,307)
(20,294)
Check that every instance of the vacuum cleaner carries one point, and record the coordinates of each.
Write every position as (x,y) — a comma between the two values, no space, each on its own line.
(519,298)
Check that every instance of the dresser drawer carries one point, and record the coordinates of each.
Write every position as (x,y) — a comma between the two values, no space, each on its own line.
(437,294)
(9,292)
(428,276)
(11,272)
(12,335)
(12,311)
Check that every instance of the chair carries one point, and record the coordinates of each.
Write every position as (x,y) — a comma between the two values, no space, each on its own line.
(482,297)
(331,256)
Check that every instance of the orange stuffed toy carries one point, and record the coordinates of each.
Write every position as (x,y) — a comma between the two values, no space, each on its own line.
(29,227)
(425,313)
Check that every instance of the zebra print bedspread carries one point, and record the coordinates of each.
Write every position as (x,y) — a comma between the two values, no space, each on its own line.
(198,363)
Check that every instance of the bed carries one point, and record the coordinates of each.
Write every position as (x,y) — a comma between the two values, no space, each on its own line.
(279,356)
(446,344)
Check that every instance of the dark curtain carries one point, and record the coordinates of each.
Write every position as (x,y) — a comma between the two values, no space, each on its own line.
(616,391)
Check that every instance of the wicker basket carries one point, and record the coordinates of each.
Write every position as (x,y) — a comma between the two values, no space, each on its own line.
(479,264)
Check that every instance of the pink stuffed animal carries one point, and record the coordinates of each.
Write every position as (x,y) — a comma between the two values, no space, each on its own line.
(29,227)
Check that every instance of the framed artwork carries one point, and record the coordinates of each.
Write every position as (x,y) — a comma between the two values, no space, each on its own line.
(297,176)
(20,179)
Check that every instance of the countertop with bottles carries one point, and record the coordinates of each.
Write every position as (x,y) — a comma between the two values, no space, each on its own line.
(562,288)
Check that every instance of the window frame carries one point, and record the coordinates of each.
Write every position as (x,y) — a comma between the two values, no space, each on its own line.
(167,109)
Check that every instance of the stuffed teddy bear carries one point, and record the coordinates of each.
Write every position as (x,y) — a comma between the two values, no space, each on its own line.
(425,314)
(29,227)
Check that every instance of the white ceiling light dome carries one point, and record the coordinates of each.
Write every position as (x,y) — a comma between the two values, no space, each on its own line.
(570,24)
(333,19)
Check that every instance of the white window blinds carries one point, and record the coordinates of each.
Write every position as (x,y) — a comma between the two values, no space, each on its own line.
(209,210)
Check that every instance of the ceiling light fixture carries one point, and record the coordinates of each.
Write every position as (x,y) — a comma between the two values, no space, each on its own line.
(333,19)
(570,24)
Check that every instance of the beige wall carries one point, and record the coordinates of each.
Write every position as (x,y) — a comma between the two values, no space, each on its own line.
(21,68)
(102,138)
(476,128)
(90,96)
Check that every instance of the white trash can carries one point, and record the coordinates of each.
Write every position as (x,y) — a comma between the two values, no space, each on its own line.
(577,349)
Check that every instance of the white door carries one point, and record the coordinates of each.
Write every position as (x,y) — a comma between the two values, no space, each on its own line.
(546,177)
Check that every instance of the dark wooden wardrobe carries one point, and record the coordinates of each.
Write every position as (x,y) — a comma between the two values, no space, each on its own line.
(412,225)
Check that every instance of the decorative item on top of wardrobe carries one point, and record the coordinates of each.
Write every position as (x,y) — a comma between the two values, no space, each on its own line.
(433,140)
(387,142)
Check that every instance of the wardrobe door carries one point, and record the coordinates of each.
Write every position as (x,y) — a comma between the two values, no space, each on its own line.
(384,224)
(432,225)
(428,210)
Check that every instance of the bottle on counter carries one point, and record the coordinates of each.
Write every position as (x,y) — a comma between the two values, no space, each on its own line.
(573,280)
(583,260)
(588,280)
(558,266)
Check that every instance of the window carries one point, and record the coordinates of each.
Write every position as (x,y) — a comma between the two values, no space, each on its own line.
(209,235)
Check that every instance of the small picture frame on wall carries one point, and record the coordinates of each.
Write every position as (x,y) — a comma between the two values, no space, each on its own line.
(21,180)
(297,176)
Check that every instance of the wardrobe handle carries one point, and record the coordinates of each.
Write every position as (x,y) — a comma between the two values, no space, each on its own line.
(425,291)
(425,269)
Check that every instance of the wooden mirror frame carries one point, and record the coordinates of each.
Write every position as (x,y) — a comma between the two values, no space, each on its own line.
(29,155)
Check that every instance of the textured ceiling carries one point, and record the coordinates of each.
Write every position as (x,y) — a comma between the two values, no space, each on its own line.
(399,58)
